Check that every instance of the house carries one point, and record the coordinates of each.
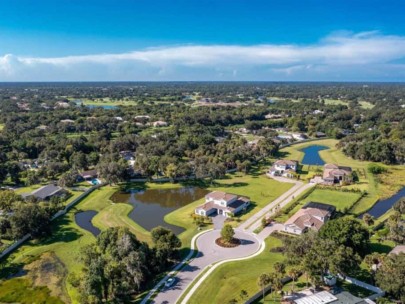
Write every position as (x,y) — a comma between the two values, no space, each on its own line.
(274,116)
(320,134)
(129,156)
(142,117)
(299,136)
(285,136)
(67,121)
(62,104)
(326,297)
(222,203)
(334,174)
(284,167)
(317,112)
(46,192)
(42,127)
(159,123)
(88,175)
(311,216)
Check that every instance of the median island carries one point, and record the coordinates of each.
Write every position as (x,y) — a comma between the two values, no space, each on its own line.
(227,240)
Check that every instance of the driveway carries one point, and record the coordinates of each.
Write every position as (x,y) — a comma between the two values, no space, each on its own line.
(208,253)
(218,221)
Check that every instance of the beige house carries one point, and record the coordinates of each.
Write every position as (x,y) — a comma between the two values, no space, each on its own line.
(334,174)
(311,216)
(222,203)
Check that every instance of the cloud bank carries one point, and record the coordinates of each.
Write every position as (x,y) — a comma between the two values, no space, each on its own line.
(343,56)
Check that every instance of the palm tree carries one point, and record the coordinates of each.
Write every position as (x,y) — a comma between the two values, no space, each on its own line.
(293,273)
(276,284)
(263,280)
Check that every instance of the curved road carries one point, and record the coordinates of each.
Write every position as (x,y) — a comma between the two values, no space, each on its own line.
(208,253)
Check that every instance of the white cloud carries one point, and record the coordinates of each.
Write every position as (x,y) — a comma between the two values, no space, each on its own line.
(354,56)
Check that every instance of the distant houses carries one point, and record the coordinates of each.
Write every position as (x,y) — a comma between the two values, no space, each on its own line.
(46,192)
(284,167)
(222,203)
(160,123)
(88,175)
(310,217)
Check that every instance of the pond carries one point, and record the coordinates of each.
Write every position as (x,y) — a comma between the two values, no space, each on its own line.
(151,206)
(106,107)
(312,157)
(382,206)
(83,220)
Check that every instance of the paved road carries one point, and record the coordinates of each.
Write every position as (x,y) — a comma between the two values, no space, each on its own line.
(209,253)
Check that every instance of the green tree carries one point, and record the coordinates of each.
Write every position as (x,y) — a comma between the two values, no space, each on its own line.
(227,233)
(263,280)
(368,219)
(293,273)
(390,276)
(7,199)
(348,232)
(166,243)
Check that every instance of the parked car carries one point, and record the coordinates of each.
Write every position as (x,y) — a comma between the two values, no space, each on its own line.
(170,281)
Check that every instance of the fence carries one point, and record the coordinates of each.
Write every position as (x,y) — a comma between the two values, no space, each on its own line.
(267,289)
(58,214)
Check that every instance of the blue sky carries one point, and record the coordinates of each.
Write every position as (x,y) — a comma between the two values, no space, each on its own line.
(202,40)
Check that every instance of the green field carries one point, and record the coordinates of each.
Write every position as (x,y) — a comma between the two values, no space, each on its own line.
(226,282)
(387,185)
(67,238)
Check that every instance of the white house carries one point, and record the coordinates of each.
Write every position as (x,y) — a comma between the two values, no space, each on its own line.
(159,123)
(299,136)
(222,203)
(284,167)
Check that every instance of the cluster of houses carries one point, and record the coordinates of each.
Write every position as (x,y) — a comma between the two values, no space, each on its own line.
(332,174)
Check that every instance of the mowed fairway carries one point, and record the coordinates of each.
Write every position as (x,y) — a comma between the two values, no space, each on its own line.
(227,281)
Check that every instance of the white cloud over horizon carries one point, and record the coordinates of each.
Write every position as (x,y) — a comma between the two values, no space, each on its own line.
(365,56)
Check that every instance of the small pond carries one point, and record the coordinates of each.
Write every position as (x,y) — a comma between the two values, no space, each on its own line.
(106,107)
(83,220)
(151,206)
(312,157)
(382,206)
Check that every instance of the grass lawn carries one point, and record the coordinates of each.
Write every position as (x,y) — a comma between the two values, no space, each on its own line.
(366,105)
(227,281)
(335,102)
(19,290)
(67,238)
(341,200)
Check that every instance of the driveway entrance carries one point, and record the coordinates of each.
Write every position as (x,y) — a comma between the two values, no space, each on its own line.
(218,221)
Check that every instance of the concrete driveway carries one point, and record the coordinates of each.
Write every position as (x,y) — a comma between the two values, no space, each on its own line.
(218,221)
(209,253)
